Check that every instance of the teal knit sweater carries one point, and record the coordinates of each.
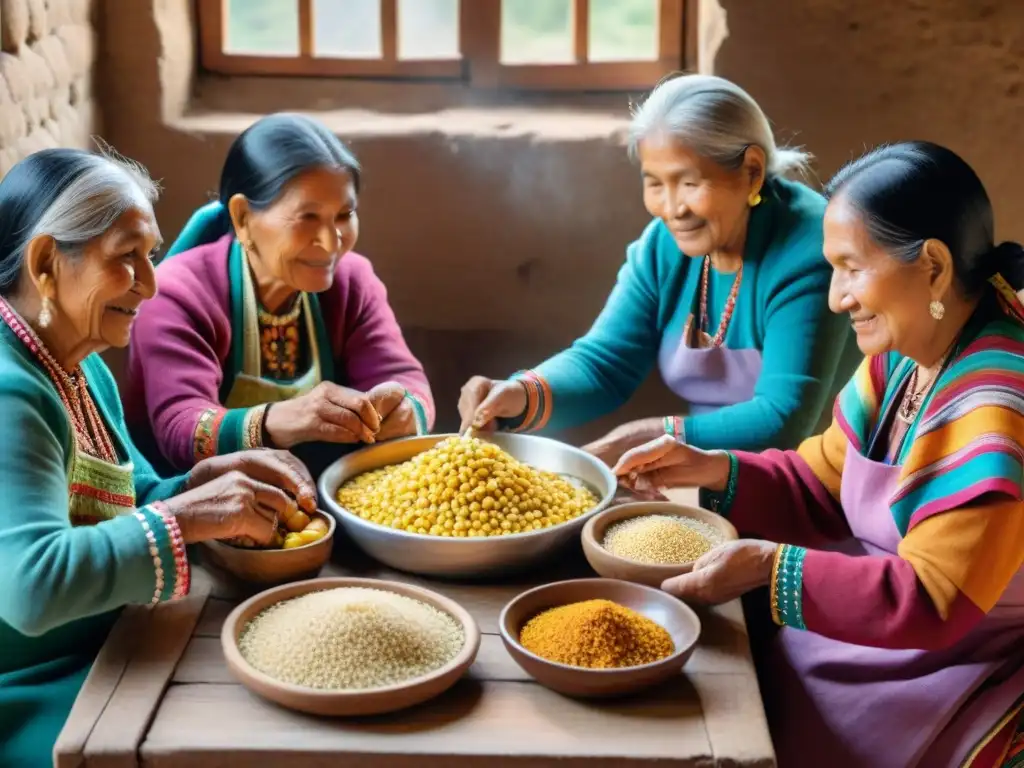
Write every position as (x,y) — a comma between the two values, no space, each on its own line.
(63,586)
(782,310)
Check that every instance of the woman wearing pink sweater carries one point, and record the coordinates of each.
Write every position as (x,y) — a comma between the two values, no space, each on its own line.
(268,330)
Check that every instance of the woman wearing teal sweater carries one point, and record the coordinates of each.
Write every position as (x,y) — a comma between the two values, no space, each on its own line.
(725,292)
(86,526)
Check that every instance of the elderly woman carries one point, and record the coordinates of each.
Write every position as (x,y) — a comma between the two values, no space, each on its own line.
(86,525)
(725,291)
(899,582)
(269,330)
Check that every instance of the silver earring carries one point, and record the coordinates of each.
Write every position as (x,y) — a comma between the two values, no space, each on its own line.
(45,313)
(937,309)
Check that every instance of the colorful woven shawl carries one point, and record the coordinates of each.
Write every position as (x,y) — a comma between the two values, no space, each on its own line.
(968,439)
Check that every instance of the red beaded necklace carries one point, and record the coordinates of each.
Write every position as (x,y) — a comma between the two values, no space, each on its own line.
(730,302)
(91,435)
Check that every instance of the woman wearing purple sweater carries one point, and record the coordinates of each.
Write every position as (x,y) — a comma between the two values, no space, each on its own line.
(268,330)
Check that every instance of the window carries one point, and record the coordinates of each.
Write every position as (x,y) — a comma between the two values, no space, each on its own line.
(545,44)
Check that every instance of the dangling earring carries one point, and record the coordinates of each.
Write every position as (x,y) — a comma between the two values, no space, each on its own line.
(45,313)
(937,309)
(754,200)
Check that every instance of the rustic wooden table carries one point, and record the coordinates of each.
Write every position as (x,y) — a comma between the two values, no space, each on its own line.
(160,695)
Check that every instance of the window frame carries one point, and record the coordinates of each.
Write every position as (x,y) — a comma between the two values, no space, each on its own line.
(479,65)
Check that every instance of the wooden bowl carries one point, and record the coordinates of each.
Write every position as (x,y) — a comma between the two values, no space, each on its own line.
(675,616)
(614,567)
(273,566)
(370,701)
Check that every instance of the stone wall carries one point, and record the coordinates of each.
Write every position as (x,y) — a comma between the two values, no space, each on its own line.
(45,76)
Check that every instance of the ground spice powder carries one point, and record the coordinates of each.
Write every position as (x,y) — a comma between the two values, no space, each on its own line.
(597,634)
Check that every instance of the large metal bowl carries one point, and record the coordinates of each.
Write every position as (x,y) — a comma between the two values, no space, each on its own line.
(462,558)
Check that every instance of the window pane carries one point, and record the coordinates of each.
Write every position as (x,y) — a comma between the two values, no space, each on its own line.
(347,29)
(623,30)
(266,28)
(428,29)
(536,32)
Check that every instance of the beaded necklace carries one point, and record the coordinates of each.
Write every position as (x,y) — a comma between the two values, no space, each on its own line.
(730,302)
(91,435)
(280,341)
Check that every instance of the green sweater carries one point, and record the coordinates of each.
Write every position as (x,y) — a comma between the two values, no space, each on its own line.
(63,585)
(781,310)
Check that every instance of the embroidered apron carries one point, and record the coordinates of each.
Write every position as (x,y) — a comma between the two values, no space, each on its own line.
(848,706)
(249,388)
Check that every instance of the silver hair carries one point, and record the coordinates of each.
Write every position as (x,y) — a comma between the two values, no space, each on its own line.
(109,186)
(717,119)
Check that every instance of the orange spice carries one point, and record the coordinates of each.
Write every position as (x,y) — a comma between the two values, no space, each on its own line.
(597,634)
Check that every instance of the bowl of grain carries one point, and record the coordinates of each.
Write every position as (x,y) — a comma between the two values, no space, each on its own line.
(347,647)
(649,541)
(595,638)
(281,562)
(464,507)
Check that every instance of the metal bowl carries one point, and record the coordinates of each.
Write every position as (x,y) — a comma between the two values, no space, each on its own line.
(462,558)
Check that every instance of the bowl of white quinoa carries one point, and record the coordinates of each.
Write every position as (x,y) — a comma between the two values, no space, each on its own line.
(347,647)
(648,542)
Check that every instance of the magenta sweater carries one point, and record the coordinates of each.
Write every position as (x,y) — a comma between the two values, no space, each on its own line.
(180,362)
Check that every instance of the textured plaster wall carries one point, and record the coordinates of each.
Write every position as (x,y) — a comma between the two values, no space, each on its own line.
(499,228)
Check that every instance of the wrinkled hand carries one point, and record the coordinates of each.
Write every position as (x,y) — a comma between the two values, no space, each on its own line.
(242,495)
(483,401)
(725,573)
(397,414)
(327,413)
(280,469)
(625,437)
(667,463)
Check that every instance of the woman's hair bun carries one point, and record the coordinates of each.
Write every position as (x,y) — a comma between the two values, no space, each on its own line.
(1008,260)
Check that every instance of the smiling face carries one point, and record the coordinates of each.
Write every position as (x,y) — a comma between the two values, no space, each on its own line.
(298,240)
(887,299)
(704,205)
(96,294)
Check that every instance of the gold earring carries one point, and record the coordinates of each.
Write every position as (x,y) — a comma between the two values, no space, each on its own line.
(755,200)
(937,309)
(45,313)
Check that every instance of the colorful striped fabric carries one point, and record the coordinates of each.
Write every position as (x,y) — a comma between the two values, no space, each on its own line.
(969,436)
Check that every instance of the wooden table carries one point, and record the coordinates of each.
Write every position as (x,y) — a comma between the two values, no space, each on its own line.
(160,695)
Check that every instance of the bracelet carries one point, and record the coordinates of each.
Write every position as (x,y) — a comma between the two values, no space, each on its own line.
(154,552)
(776,614)
(182,573)
(721,502)
(264,435)
(674,427)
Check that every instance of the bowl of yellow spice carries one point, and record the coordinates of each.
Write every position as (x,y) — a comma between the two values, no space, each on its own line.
(593,638)
(459,506)
(649,542)
(301,547)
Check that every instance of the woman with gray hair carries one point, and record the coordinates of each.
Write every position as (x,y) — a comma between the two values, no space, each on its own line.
(726,291)
(86,525)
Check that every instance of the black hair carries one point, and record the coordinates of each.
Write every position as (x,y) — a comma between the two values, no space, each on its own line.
(271,152)
(261,162)
(70,194)
(915,191)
